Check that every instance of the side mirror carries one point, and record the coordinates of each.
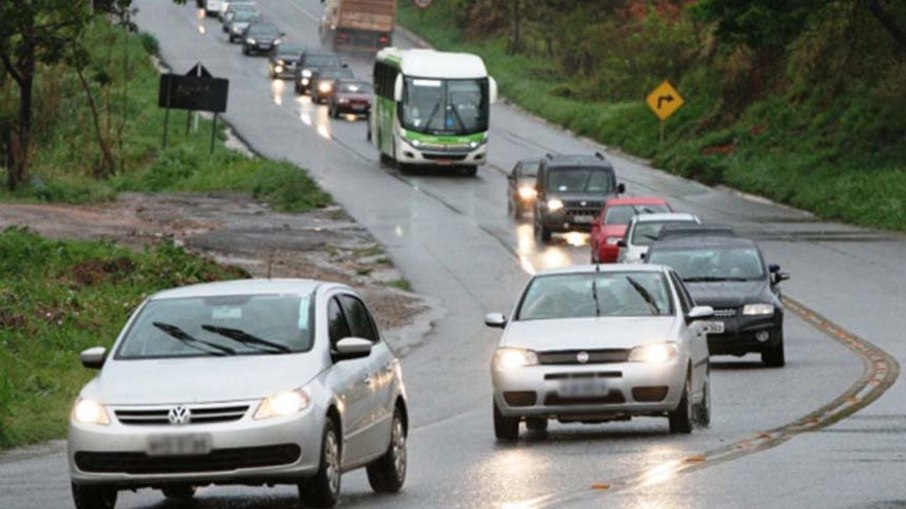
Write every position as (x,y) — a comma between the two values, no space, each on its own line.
(492,90)
(621,243)
(93,358)
(621,188)
(777,277)
(700,313)
(398,88)
(774,268)
(352,348)
(496,320)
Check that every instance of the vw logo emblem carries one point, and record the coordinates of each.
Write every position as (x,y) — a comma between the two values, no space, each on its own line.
(179,415)
(582,357)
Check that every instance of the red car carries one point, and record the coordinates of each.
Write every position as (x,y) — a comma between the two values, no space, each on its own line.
(610,225)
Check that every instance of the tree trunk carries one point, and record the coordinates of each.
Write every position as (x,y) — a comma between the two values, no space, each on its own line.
(108,165)
(20,146)
(516,43)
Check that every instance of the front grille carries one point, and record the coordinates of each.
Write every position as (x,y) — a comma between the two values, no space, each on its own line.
(724,312)
(200,415)
(650,394)
(223,460)
(520,398)
(612,398)
(606,356)
(585,375)
(451,157)
(588,204)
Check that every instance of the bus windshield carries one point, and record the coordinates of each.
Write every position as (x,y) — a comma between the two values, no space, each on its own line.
(445,106)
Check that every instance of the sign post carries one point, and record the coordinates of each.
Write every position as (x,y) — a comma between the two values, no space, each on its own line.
(197,90)
(664,100)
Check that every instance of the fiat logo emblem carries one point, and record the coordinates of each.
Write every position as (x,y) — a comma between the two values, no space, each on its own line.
(179,415)
(582,357)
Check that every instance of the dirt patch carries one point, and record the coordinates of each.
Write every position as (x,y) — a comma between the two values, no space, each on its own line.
(234,229)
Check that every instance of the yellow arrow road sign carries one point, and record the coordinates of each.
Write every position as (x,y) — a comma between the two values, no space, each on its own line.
(664,100)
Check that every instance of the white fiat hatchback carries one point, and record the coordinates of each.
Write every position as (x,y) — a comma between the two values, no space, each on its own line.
(595,344)
(254,382)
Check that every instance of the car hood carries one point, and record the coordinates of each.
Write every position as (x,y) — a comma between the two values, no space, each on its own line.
(589,197)
(353,97)
(200,379)
(588,333)
(728,294)
(614,230)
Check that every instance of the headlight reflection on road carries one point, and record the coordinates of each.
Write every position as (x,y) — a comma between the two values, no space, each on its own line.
(577,239)
(554,257)
(523,468)
(525,246)
(277,91)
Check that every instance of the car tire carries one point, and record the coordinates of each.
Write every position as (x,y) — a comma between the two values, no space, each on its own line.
(681,418)
(775,357)
(537,424)
(543,234)
(470,170)
(387,474)
(93,496)
(506,429)
(703,409)
(245,49)
(182,492)
(323,489)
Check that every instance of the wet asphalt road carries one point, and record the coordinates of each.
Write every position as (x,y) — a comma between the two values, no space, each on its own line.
(451,237)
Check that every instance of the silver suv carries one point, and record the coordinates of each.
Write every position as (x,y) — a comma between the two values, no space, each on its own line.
(244,382)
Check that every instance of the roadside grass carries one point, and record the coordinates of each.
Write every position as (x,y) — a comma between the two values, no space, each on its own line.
(402,284)
(60,297)
(839,159)
(66,155)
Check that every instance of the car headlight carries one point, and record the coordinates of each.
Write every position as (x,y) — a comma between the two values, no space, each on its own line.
(759,309)
(305,81)
(87,411)
(236,30)
(656,353)
(283,404)
(306,73)
(343,100)
(278,68)
(277,41)
(554,204)
(510,358)
(527,192)
(613,241)
(324,87)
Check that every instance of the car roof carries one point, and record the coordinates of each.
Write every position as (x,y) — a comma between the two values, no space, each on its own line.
(241,287)
(353,81)
(604,268)
(262,25)
(636,200)
(322,52)
(664,216)
(703,242)
(573,160)
(290,48)
(696,230)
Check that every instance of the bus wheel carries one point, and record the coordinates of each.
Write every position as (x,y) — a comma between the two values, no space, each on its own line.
(470,171)
(386,160)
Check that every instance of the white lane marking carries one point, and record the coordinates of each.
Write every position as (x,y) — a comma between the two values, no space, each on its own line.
(307,14)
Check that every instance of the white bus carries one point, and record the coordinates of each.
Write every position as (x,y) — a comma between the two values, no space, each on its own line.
(431,108)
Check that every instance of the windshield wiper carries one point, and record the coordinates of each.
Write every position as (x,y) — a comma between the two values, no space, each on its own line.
(594,294)
(455,111)
(240,336)
(649,236)
(645,295)
(431,116)
(191,341)
(712,279)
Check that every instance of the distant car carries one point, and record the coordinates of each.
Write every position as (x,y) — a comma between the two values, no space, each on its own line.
(589,344)
(521,192)
(675,231)
(211,7)
(255,382)
(350,96)
(323,82)
(643,230)
(261,38)
(730,275)
(283,60)
(229,9)
(571,191)
(240,22)
(311,61)
(610,225)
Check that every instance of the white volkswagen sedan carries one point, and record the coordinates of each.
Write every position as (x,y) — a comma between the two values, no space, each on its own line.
(595,344)
(255,382)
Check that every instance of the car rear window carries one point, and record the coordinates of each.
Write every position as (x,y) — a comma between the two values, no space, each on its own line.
(623,214)
(647,232)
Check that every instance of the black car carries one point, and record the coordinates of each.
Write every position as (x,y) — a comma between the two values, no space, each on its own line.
(283,60)
(311,61)
(729,274)
(240,22)
(323,81)
(521,192)
(571,192)
(236,7)
(675,231)
(261,38)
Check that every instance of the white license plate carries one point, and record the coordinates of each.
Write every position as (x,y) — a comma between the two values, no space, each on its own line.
(714,327)
(582,388)
(195,444)
(583,219)
(358,106)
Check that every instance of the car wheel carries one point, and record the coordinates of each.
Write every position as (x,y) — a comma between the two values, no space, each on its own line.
(774,357)
(179,492)
(506,429)
(470,170)
(245,50)
(323,490)
(387,474)
(703,409)
(542,233)
(536,424)
(681,418)
(93,496)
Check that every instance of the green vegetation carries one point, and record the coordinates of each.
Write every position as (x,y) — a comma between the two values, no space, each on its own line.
(60,297)
(67,164)
(800,103)
(403,284)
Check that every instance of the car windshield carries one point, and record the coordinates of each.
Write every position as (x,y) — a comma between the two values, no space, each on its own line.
(231,325)
(355,88)
(265,30)
(580,180)
(332,74)
(647,232)
(713,264)
(445,106)
(623,214)
(529,169)
(596,294)
(322,60)
(237,7)
(245,16)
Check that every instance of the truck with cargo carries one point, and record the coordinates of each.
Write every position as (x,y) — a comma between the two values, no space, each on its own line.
(358,23)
